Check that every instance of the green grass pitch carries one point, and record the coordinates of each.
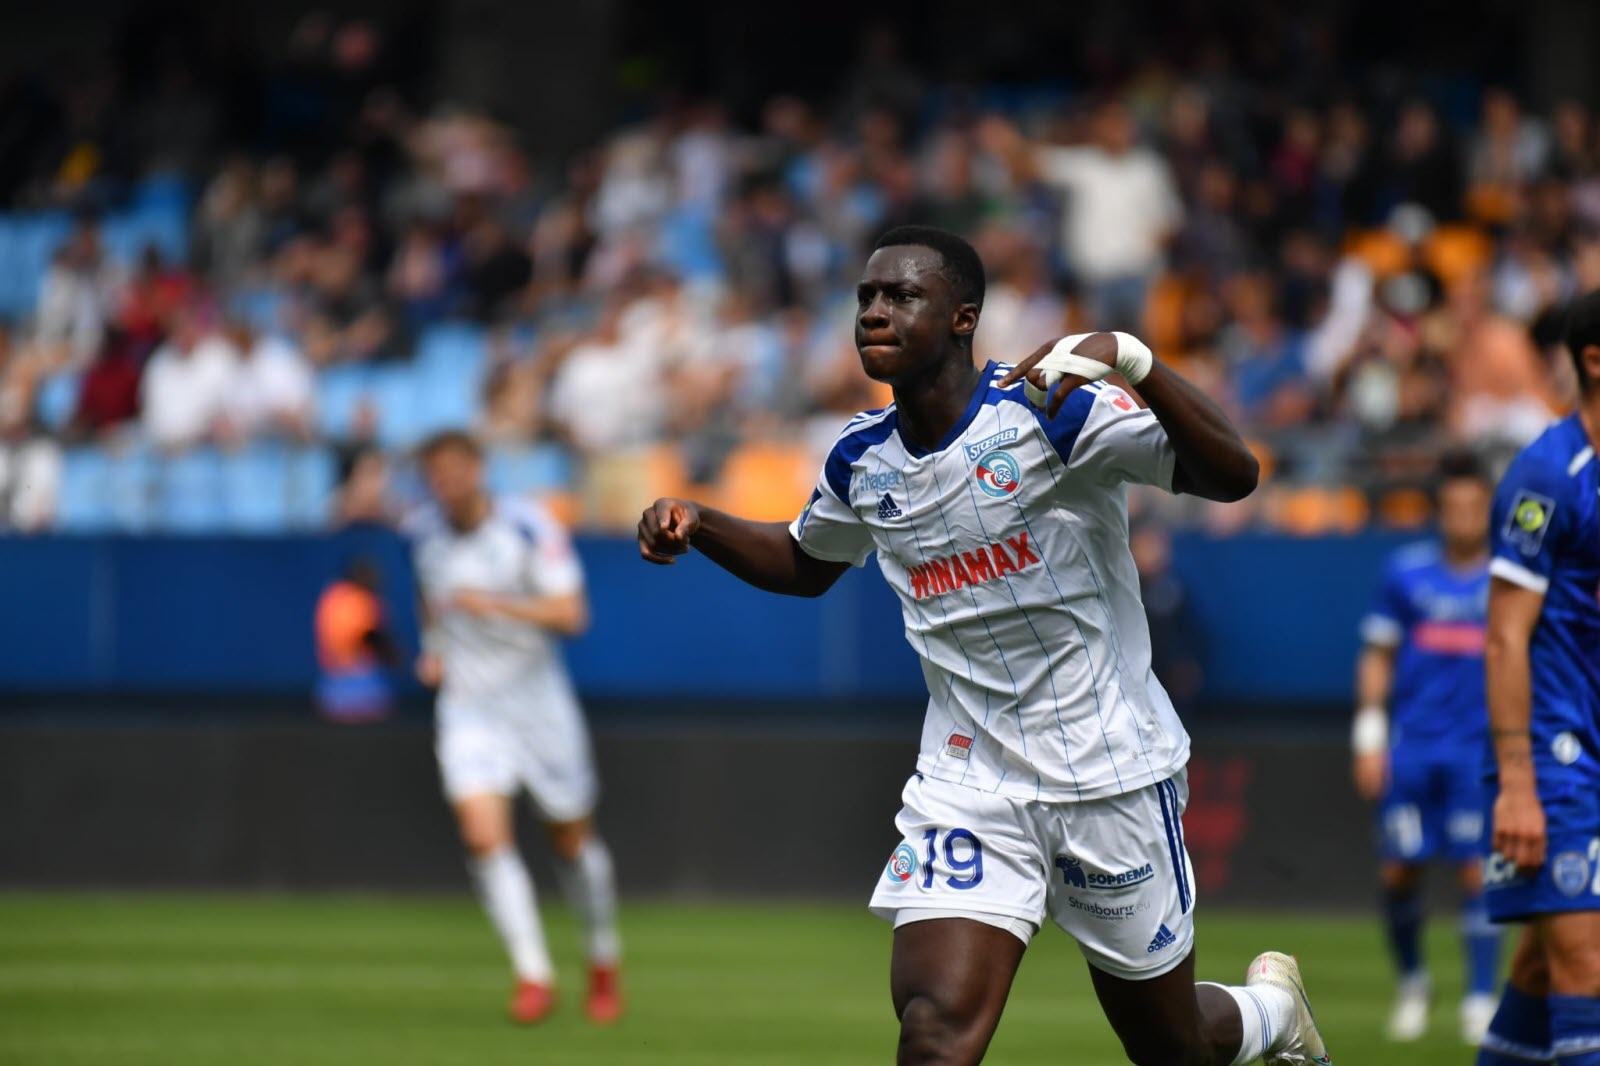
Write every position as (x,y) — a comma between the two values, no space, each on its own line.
(240,980)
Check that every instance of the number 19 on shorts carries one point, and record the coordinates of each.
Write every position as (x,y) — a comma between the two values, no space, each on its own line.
(962,856)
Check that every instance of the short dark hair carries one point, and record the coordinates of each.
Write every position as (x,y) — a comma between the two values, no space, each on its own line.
(1461,464)
(1583,329)
(449,440)
(963,267)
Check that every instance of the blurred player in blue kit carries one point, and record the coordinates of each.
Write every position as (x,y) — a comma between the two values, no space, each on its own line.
(1543,660)
(1419,737)
(1052,777)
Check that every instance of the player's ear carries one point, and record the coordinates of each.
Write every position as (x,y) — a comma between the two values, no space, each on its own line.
(1591,365)
(965,320)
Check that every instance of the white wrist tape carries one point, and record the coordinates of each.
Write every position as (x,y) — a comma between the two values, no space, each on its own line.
(1134,360)
(1369,732)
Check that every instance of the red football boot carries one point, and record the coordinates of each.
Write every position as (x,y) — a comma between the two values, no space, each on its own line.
(605,994)
(531,1002)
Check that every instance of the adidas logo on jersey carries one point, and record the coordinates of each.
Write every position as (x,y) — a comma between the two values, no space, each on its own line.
(887,508)
(939,576)
(1164,939)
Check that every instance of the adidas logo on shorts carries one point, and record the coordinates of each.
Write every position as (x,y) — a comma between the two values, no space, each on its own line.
(1164,939)
(887,508)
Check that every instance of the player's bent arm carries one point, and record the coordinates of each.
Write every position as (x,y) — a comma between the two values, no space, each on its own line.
(762,554)
(1213,461)
(566,614)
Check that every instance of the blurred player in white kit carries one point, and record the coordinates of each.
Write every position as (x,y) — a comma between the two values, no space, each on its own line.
(499,582)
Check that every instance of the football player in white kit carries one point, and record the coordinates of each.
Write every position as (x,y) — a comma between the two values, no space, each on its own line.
(1051,780)
(499,581)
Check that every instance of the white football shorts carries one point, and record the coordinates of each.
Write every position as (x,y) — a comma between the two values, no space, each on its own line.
(545,751)
(1112,872)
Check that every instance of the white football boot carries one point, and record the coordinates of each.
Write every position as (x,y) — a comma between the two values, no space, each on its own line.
(1476,1013)
(1408,1020)
(1304,1046)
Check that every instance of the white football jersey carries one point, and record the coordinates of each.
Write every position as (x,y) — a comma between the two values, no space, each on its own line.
(495,666)
(1008,547)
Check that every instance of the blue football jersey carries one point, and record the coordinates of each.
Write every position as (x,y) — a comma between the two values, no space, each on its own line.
(1546,537)
(1433,615)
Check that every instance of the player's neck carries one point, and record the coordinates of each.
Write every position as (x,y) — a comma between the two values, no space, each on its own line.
(471,514)
(1465,556)
(930,404)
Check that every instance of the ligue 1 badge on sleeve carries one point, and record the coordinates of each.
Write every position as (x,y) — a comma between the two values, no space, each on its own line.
(1528,521)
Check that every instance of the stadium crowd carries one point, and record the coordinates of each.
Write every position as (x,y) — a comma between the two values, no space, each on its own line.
(1362,277)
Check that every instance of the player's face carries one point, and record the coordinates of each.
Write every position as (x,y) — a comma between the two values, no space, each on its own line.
(454,476)
(1464,512)
(907,317)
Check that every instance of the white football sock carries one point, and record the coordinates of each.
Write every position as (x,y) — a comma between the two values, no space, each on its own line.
(1268,1016)
(592,892)
(507,894)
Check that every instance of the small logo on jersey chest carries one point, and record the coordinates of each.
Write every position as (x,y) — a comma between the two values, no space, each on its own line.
(879,480)
(1005,436)
(888,509)
(958,747)
(998,474)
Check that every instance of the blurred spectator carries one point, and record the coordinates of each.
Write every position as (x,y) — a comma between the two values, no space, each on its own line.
(270,391)
(354,647)
(1122,209)
(1174,655)
(363,494)
(188,384)
(108,395)
(76,298)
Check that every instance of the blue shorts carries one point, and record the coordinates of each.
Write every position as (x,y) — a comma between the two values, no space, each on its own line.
(1569,880)
(1434,807)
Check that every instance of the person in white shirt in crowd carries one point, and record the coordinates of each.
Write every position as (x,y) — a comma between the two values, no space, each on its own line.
(271,393)
(187,383)
(1122,208)
(76,297)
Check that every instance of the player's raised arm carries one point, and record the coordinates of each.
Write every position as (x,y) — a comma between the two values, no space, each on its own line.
(763,554)
(1212,460)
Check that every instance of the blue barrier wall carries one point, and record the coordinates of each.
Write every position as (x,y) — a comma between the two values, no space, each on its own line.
(166,614)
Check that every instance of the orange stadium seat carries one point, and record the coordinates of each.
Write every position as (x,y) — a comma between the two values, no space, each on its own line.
(767,482)
(1405,508)
(1454,252)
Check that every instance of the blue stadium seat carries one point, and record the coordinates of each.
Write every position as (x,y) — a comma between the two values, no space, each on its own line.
(340,390)
(255,489)
(395,394)
(57,400)
(537,469)
(313,477)
(128,233)
(454,345)
(130,489)
(84,503)
(191,493)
